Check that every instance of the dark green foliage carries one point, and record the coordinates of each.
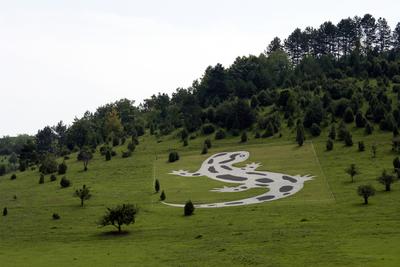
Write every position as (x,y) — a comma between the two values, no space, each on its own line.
(208,129)
(123,140)
(113,153)
(62,168)
(48,165)
(254,102)
(366,191)
(205,149)
(244,137)
(220,134)
(300,134)
(342,131)
(374,149)
(387,180)
(329,145)
(108,155)
(269,131)
(121,215)
(85,155)
(5,212)
(348,116)
(314,114)
(115,141)
(361,146)
(83,194)
(56,216)
(53,178)
(64,183)
(332,132)
(157,186)
(13,176)
(348,139)
(185,142)
(41,179)
(315,129)
(207,142)
(22,166)
(396,163)
(173,156)
(188,209)
(360,120)
(162,196)
(257,135)
(126,154)
(352,171)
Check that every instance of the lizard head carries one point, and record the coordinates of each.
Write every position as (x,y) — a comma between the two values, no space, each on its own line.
(230,158)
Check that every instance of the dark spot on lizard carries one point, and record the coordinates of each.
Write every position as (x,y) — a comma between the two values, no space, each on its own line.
(210,161)
(256,173)
(231,177)
(266,198)
(212,169)
(290,179)
(234,203)
(232,158)
(264,180)
(226,168)
(220,155)
(285,188)
(196,174)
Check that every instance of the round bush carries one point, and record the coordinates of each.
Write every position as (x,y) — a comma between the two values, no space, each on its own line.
(56,216)
(188,209)
(173,156)
(13,177)
(53,178)
(208,129)
(64,183)
(162,196)
(62,168)
(220,134)
(205,149)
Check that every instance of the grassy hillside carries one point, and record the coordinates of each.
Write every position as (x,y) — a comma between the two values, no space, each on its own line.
(325,224)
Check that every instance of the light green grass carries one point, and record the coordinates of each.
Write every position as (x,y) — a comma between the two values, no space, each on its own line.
(322,225)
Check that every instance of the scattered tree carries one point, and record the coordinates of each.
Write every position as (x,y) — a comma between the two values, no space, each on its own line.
(189,208)
(62,168)
(352,171)
(162,196)
(387,180)
(157,186)
(121,215)
(5,212)
(83,194)
(366,191)
(64,183)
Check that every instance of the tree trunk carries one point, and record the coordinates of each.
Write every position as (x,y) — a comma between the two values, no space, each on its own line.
(366,200)
(81,202)
(387,187)
(119,228)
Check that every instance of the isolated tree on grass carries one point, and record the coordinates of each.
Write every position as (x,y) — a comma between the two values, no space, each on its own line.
(162,196)
(157,186)
(352,171)
(121,215)
(83,194)
(366,191)
(85,155)
(300,134)
(387,180)
(189,208)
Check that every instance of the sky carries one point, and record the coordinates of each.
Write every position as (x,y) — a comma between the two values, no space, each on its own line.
(59,59)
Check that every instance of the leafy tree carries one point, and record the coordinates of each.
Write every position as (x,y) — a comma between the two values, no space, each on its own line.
(120,215)
(189,208)
(108,155)
(275,45)
(352,171)
(383,35)
(45,140)
(85,155)
(173,156)
(366,191)
(387,180)
(329,145)
(207,142)
(13,159)
(64,183)
(113,125)
(396,37)
(157,186)
(83,194)
(348,139)
(48,164)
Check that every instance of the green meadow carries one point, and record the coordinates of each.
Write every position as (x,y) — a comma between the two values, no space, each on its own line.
(325,224)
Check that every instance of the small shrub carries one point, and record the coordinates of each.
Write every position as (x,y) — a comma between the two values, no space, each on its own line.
(207,129)
(64,183)
(348,139)
(108,155)
(244,137)
(173,156)
(13,177)
(5,212)
(131,146)
(157,186)
(369,128)
(115,141)
(41,179)
(163,196)
(366,191)
(56,216)
(113,153)
(361,146)
(329,145)
(207,142)
(205,149)
(220,134)
(53,178)
(257,135)
(189,208)
(62,168)
(185,142)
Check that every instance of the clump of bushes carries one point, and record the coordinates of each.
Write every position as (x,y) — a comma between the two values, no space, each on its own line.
(173,156)
(188,209)
(220,134)
(48,165)
(64,183)
(62,168)
(13,176)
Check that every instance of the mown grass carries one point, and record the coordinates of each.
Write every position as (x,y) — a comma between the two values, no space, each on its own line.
(325,224)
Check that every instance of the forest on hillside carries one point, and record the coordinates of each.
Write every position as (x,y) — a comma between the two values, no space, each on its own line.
(344,73)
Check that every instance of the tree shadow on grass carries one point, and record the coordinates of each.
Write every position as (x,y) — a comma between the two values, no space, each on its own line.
(112,234)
